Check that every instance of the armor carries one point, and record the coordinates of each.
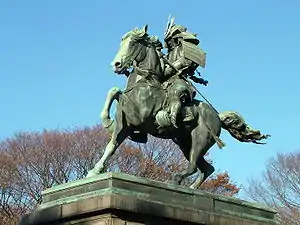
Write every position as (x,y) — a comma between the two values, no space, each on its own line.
(185,56)
(194,53)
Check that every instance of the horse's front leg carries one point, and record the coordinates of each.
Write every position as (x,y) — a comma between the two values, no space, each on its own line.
(112,94)
(118,136)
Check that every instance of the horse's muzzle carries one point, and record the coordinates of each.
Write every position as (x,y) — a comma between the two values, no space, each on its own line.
(117,67)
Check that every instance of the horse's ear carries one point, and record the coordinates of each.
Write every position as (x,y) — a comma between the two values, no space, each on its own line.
(145,28)
(143,31)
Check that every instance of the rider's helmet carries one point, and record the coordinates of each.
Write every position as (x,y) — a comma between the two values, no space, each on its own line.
(172,32)
(188,37)
(177,32)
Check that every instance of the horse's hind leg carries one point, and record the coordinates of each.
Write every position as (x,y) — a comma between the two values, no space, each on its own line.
(192,153)
(118,136)
(198,180)
(205,169)
(200,141)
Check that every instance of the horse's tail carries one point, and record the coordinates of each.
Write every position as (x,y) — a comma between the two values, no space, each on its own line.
(239,129)
(107,122)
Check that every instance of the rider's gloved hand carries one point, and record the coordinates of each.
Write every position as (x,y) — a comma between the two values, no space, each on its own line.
(204,82)
(199,80)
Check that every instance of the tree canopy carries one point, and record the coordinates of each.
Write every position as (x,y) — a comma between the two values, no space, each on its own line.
(33,161)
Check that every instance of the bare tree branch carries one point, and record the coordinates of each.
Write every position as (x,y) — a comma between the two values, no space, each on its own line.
(33,161)
(280,187)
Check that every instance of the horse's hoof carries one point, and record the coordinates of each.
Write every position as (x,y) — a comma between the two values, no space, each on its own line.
(91,173)
(193,187)
(176,180)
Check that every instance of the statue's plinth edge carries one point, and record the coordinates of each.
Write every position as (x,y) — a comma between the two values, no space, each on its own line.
(118,196)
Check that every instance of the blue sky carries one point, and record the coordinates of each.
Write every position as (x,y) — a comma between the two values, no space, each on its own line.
(55,65)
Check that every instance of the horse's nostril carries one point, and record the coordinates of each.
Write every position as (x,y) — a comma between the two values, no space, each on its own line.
(117,64)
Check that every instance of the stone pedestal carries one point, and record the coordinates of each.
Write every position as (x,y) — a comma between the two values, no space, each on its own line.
(121,199)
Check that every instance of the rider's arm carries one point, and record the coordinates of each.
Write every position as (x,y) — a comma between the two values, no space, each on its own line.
(179,65)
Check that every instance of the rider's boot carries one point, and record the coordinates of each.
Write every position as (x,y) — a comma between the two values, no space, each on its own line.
(174,112)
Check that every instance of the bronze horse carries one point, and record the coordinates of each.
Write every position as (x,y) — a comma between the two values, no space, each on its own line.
(144,98)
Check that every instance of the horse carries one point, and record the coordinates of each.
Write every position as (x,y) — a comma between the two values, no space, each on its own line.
(143,99)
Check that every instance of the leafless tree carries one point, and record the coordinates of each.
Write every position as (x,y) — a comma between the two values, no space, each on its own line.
(33,161)
(279,187)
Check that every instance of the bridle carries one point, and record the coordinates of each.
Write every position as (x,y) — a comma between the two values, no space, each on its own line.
(133,54)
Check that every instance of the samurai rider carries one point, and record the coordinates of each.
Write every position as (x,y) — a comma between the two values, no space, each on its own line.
(182,59)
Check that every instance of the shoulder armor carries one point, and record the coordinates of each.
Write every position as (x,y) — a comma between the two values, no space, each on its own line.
(194,53)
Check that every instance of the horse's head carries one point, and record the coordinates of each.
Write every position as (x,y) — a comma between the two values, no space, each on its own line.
(133,47)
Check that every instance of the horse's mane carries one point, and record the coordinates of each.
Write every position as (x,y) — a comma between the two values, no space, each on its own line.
(154,40)
(141,35)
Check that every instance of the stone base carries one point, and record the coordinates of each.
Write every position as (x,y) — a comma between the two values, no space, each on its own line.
(122,199)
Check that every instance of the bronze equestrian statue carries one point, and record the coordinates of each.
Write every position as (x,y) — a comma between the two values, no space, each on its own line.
(159,99)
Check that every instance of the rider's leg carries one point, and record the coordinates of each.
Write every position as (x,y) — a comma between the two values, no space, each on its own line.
(179,96)
(175,107)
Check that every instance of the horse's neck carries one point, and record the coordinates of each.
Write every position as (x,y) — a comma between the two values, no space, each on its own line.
(151,62)
(132,79)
